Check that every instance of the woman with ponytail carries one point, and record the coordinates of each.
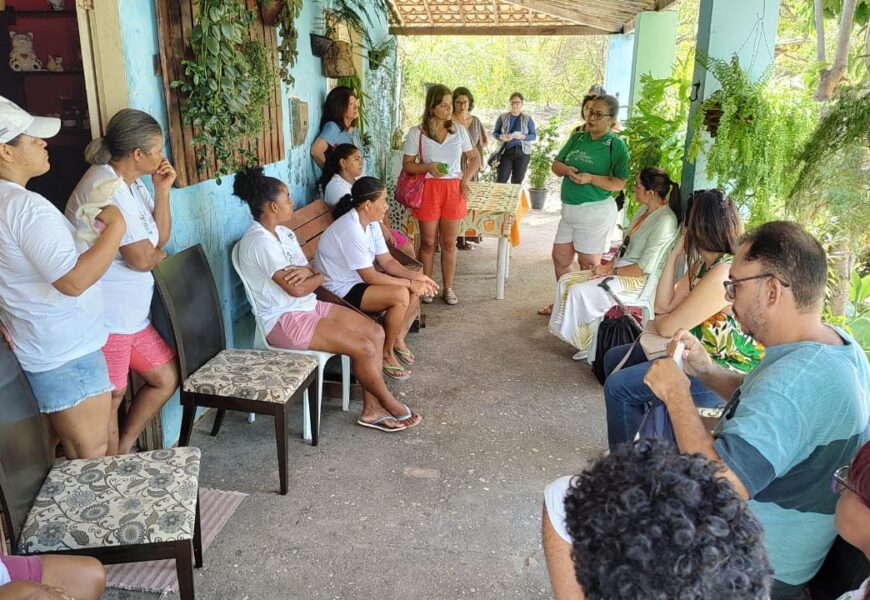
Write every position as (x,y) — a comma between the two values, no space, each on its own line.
(346,255)
(131,149)
(696,302)
(579,300)
(282,284)
(342,168)
(852,516)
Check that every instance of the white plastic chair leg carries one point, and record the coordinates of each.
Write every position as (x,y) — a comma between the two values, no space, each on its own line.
(252,417)
(345,382)
(306,422)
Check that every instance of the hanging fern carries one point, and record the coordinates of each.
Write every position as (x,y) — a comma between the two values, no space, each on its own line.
(758,133)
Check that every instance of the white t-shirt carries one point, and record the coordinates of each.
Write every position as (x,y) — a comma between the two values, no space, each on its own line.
(37,247)
(336,189)
(554,498)
(346,247)
(856,594)
(261,254)
(4,575)
(448,152)
(126,292)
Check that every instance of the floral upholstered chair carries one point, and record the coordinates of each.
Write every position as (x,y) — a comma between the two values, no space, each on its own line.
(263,382)
(137,507)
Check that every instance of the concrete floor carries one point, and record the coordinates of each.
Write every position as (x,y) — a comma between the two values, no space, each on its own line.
(450,509)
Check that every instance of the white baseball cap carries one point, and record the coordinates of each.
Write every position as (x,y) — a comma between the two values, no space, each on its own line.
(14,121)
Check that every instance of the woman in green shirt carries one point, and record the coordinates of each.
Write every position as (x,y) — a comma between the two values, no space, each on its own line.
(579,300)
(593,165)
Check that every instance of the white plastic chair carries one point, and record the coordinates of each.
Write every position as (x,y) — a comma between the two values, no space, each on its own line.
(645,299)
(261,343)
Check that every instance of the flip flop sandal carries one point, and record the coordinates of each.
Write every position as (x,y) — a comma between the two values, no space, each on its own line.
(408,416)
(406,356)
(546,311)
(376,424)
(397,373)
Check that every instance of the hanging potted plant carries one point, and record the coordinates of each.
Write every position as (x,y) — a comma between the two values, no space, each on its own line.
(541,162)
(269,10)
(319,44)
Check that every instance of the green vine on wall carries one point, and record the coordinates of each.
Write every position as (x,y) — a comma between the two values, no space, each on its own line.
(226,87)
(287,46)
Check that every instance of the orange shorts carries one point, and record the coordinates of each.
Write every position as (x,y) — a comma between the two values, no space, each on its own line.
(442,199)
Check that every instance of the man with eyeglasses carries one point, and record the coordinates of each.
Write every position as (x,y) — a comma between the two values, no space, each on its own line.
(803,410)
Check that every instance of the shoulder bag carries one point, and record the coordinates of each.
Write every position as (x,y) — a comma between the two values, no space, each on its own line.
(620,197)
(409,187)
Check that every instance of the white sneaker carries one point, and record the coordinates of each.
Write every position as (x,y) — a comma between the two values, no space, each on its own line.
(581,355)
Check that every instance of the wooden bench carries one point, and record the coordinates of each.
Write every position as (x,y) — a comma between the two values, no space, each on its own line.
(310,221)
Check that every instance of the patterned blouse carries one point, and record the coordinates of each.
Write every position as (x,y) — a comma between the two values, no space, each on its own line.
(722,337)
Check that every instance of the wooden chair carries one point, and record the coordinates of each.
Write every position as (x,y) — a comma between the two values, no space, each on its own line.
(118,509)
(322,357)
(253,381)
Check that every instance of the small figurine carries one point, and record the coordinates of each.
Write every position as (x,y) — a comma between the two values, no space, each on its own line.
(55,63)
(22,57)
(56,4)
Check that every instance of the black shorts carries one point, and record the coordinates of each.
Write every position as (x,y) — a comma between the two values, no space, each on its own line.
(355,294)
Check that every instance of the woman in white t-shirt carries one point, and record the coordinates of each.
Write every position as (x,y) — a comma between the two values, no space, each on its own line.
(436,147)
(852,516)
(347,253)
(47,303)
(343,166)
(282,285)
(132,148)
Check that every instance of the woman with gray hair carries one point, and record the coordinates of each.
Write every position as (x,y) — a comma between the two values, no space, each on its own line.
(131,148)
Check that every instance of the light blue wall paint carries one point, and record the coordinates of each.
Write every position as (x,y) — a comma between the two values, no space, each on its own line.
(617,77)
(655,45)
(743,27)
(208,213)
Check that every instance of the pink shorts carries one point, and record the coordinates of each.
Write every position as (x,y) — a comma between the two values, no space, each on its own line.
(23,568)
(294,330)
(140,351)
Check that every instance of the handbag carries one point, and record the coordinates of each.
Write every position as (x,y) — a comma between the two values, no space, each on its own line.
(409,187)
(615,332)
(495,158)
(620,197)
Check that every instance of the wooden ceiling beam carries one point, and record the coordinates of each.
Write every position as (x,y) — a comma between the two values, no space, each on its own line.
(549,8)
(596,8)
(500,30)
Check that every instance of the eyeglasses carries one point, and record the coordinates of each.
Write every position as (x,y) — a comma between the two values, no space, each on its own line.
(731,284)
(840,481)
(590,114)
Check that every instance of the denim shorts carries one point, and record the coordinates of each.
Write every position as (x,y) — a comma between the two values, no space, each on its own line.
(70,383)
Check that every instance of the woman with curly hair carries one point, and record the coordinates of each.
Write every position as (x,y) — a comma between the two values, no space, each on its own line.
(649,522)
(282,285)
(852,517)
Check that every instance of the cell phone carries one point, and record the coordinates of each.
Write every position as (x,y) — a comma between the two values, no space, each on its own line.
(678,354)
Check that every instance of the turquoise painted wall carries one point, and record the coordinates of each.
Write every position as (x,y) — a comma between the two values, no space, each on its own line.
(655,45)
(208,213)
(617,75)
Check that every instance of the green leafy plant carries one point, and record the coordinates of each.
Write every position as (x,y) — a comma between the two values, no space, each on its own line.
(857,318)
(225,87)
(286,23)
(757,135)
(656,130)
(543,151)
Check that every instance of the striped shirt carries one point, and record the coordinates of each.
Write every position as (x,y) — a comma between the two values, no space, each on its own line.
(800,414)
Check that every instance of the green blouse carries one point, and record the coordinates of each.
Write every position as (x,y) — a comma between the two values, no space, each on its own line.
(721,336)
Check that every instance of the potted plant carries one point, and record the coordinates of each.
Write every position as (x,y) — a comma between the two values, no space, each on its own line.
(541,162)
(285,20)
(319,44)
